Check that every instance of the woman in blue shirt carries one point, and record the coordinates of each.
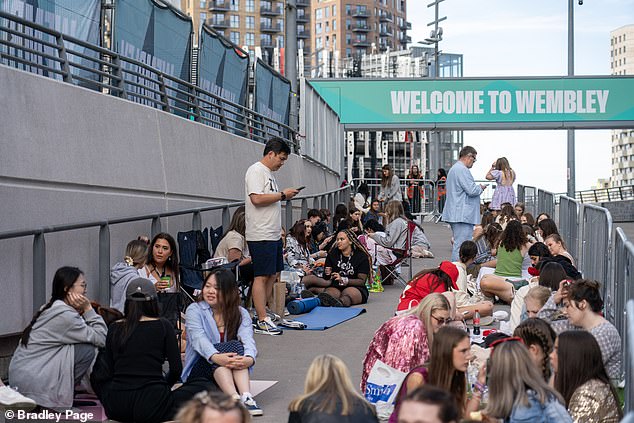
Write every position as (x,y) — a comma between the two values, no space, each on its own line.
(220,345)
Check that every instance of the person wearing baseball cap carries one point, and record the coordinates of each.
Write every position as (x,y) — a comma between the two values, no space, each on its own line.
(440,279)
(136,348)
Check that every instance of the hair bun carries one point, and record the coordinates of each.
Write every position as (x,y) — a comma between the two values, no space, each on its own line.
(129,261)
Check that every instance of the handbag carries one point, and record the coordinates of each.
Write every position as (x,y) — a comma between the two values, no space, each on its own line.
(233,346)
(382,387)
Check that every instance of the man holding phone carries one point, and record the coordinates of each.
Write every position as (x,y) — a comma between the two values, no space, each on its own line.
(263,213)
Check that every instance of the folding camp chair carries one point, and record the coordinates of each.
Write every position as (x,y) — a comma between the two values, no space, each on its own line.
(391,270)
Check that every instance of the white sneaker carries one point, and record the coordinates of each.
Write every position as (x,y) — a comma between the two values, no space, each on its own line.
(266,327)
(13,399)
(252,406)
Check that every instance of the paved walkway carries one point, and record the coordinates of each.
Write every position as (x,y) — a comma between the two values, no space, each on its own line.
(286,358)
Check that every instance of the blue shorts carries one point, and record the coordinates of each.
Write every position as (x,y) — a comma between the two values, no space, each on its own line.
(267,257)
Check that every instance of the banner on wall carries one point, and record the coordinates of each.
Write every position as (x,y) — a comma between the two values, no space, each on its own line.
(272,95)
(157,35)
(76,18)
(223,70)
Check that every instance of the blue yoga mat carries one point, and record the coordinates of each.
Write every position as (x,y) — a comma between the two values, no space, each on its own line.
(321,318)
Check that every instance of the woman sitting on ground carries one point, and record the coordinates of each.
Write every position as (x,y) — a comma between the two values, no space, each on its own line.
(539,338)
(581,379)
(450,357)
(487,244)
(136,349)
(381,256)
(213,407)
(162,265)
(517,389)
(58,347)
(362,198)
(511,255)
(233,245)
(403,342)
(352,222)
(220,345)
(557,247)
(506,215)
(329,396)
(439,279)
(549,277)
(545,228)
(345,274)
(298,255)
(341,214)
(519,208)
(583,306)
(466,303)
(124,271)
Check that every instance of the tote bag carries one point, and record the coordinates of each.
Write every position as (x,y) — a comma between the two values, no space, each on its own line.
(382,388)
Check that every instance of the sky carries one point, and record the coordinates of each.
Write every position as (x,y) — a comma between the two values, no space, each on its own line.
(529,38)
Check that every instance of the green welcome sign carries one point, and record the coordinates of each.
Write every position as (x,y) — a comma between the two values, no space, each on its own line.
(564,102)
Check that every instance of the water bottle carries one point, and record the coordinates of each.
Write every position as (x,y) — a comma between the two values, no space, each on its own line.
(476,322)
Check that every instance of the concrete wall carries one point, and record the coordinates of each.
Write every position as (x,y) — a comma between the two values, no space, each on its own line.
(621,211)
(71,155)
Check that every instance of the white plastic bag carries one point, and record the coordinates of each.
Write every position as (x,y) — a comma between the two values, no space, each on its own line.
(382,387)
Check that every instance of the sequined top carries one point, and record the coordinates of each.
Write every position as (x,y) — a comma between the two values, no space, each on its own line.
(401,343)
(593,402)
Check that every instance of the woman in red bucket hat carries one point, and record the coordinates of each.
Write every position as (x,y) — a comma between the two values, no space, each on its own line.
(440,279)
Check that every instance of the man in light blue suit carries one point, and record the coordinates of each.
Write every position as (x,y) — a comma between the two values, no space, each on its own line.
(462,209)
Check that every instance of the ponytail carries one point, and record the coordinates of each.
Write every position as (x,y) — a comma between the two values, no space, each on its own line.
(24,339)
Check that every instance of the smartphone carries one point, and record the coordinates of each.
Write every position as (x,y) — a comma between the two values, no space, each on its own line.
(300,188)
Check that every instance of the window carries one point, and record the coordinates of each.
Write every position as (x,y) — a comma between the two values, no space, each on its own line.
(334,25)
(234,21)
(348,24)
(280,41)
(334,10)
(250,22)
(348,9)
(235,37)
(327,42)
(203,4)
(318,13)
(318,28)
(326,12)
(319,42)
(280,24)
(203,18)
(250,5)
(348,38)
(348,52)
(235,5)
(265,40)
(249,39)
(327,26)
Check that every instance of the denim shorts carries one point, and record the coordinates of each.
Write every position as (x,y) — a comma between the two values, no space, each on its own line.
(267,257)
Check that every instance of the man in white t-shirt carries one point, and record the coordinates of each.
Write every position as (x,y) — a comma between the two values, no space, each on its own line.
(264,227)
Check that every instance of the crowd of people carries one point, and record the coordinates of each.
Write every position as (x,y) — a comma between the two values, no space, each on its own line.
(557,360)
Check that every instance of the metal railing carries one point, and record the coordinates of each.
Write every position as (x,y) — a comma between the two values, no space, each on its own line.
(429,197)
(595,233)
(569,223)
(291,212)
(545,203)
(34,48)
(628,358)
(606,194)
(528,196)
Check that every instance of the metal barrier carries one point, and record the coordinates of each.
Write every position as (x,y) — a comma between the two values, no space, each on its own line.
(545,203)
(37,49)
(322,200)
(606,194)
(622,282)
(569,223)
(593,261)
(528,195)
(628,358)
(429,197)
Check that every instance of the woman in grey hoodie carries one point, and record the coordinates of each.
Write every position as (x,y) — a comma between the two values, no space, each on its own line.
(125,271)
(58,346)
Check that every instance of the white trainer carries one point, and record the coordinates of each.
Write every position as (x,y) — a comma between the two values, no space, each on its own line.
(13,399)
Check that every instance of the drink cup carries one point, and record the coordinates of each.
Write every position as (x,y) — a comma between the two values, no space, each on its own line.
(167,279)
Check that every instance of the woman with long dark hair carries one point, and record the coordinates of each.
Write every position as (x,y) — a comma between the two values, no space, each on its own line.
(162,264)
(446,369)
(136,349)
(59,345)
(298,255)
(220,345)
(580,377)
(415,189)
(441,189)
(512,257)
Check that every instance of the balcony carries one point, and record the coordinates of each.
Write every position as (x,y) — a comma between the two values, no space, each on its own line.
(303,34)
(302,3)
(385,32)
(266,43)
(361,27)
(405,40)
(361,14)
(385,17)
(218,5)
(406,26)
(218,23)
(360,43)
(303,18)
(270,28)
(270,11)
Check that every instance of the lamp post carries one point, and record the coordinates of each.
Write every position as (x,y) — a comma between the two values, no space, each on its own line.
(571,71)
